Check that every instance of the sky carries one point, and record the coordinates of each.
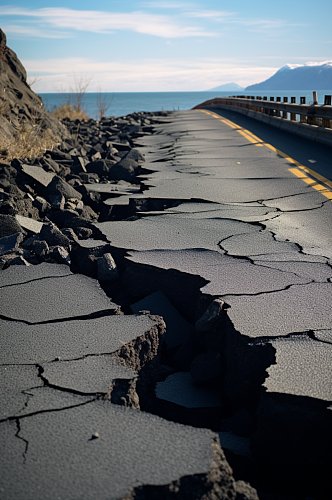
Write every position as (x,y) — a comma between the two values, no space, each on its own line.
(159,46)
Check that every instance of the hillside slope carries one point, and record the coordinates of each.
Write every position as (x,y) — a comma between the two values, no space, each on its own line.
(18,103)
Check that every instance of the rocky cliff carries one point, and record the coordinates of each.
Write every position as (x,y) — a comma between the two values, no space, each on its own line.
(18,103)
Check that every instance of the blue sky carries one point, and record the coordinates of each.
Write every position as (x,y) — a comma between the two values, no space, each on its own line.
(138,46)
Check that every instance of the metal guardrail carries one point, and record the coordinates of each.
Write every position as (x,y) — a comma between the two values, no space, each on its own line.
(314,114)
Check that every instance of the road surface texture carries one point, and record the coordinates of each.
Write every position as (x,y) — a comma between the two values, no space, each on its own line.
(219,332)
(255,228)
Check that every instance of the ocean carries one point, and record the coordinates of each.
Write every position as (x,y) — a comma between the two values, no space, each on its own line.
(124,103)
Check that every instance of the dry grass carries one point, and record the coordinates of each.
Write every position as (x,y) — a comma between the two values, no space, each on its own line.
(28,142)
(72,113)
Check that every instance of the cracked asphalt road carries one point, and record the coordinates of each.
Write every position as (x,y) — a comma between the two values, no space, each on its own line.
(258,234)
(260,239)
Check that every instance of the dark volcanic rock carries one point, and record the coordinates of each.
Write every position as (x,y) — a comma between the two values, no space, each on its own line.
(8,225)
(125,170)
(100,167)
(59,186)
(53,236)
(10,243)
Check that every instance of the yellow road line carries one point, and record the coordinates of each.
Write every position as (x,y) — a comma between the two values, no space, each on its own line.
(259,142)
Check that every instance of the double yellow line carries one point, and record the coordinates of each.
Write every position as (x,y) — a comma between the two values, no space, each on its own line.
(315,176)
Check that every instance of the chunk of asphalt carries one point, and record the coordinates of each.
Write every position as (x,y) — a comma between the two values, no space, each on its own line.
(67,340)
(302,368)
(59,186)
(53,235)
(177,328)
(180,389)
(170,232)
(225,274)
(38,174)
(299,308)
(11,276)
(94,374)
(54,299)
(295,408)
(64,461)
(34,226)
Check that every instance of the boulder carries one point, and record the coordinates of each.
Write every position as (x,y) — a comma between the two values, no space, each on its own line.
(9,244)
(107,269)
(53,236)
(60,186)
(9,225)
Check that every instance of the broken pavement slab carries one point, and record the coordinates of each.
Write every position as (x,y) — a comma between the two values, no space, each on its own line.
(38,174)
(54,298)
(300,308)
(302,368)
(23,392)
(169,232)
(225,274)
(69,340)
(11,276)
(64,460)
(29,224)
(91,375)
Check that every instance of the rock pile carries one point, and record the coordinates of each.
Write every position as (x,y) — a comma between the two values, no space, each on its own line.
(48,204)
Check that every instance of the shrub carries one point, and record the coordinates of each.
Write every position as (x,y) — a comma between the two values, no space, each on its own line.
(70,112)
(29,141)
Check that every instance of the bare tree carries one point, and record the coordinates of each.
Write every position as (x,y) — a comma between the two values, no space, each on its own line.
(31,80)
(76,96)
(104,101)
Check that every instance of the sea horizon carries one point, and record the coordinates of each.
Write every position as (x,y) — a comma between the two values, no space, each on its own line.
(124,103)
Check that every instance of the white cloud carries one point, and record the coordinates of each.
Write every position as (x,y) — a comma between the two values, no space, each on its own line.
(146,75)
(105,22)
(216,15)
(15,29)
(168,5)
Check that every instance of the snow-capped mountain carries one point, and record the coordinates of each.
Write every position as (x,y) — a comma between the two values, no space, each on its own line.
(309,76)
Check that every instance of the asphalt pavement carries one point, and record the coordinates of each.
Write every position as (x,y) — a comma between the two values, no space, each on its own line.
(251,219)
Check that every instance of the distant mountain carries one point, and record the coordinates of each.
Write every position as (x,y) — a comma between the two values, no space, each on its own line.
(227,87)
(309,76)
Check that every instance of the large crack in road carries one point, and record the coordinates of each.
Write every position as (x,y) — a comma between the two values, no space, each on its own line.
(95,383)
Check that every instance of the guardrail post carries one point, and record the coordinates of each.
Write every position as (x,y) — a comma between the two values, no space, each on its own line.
(293,115)
(302,100)
(327,102)
(315,98)
(284,113)
(278,111)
